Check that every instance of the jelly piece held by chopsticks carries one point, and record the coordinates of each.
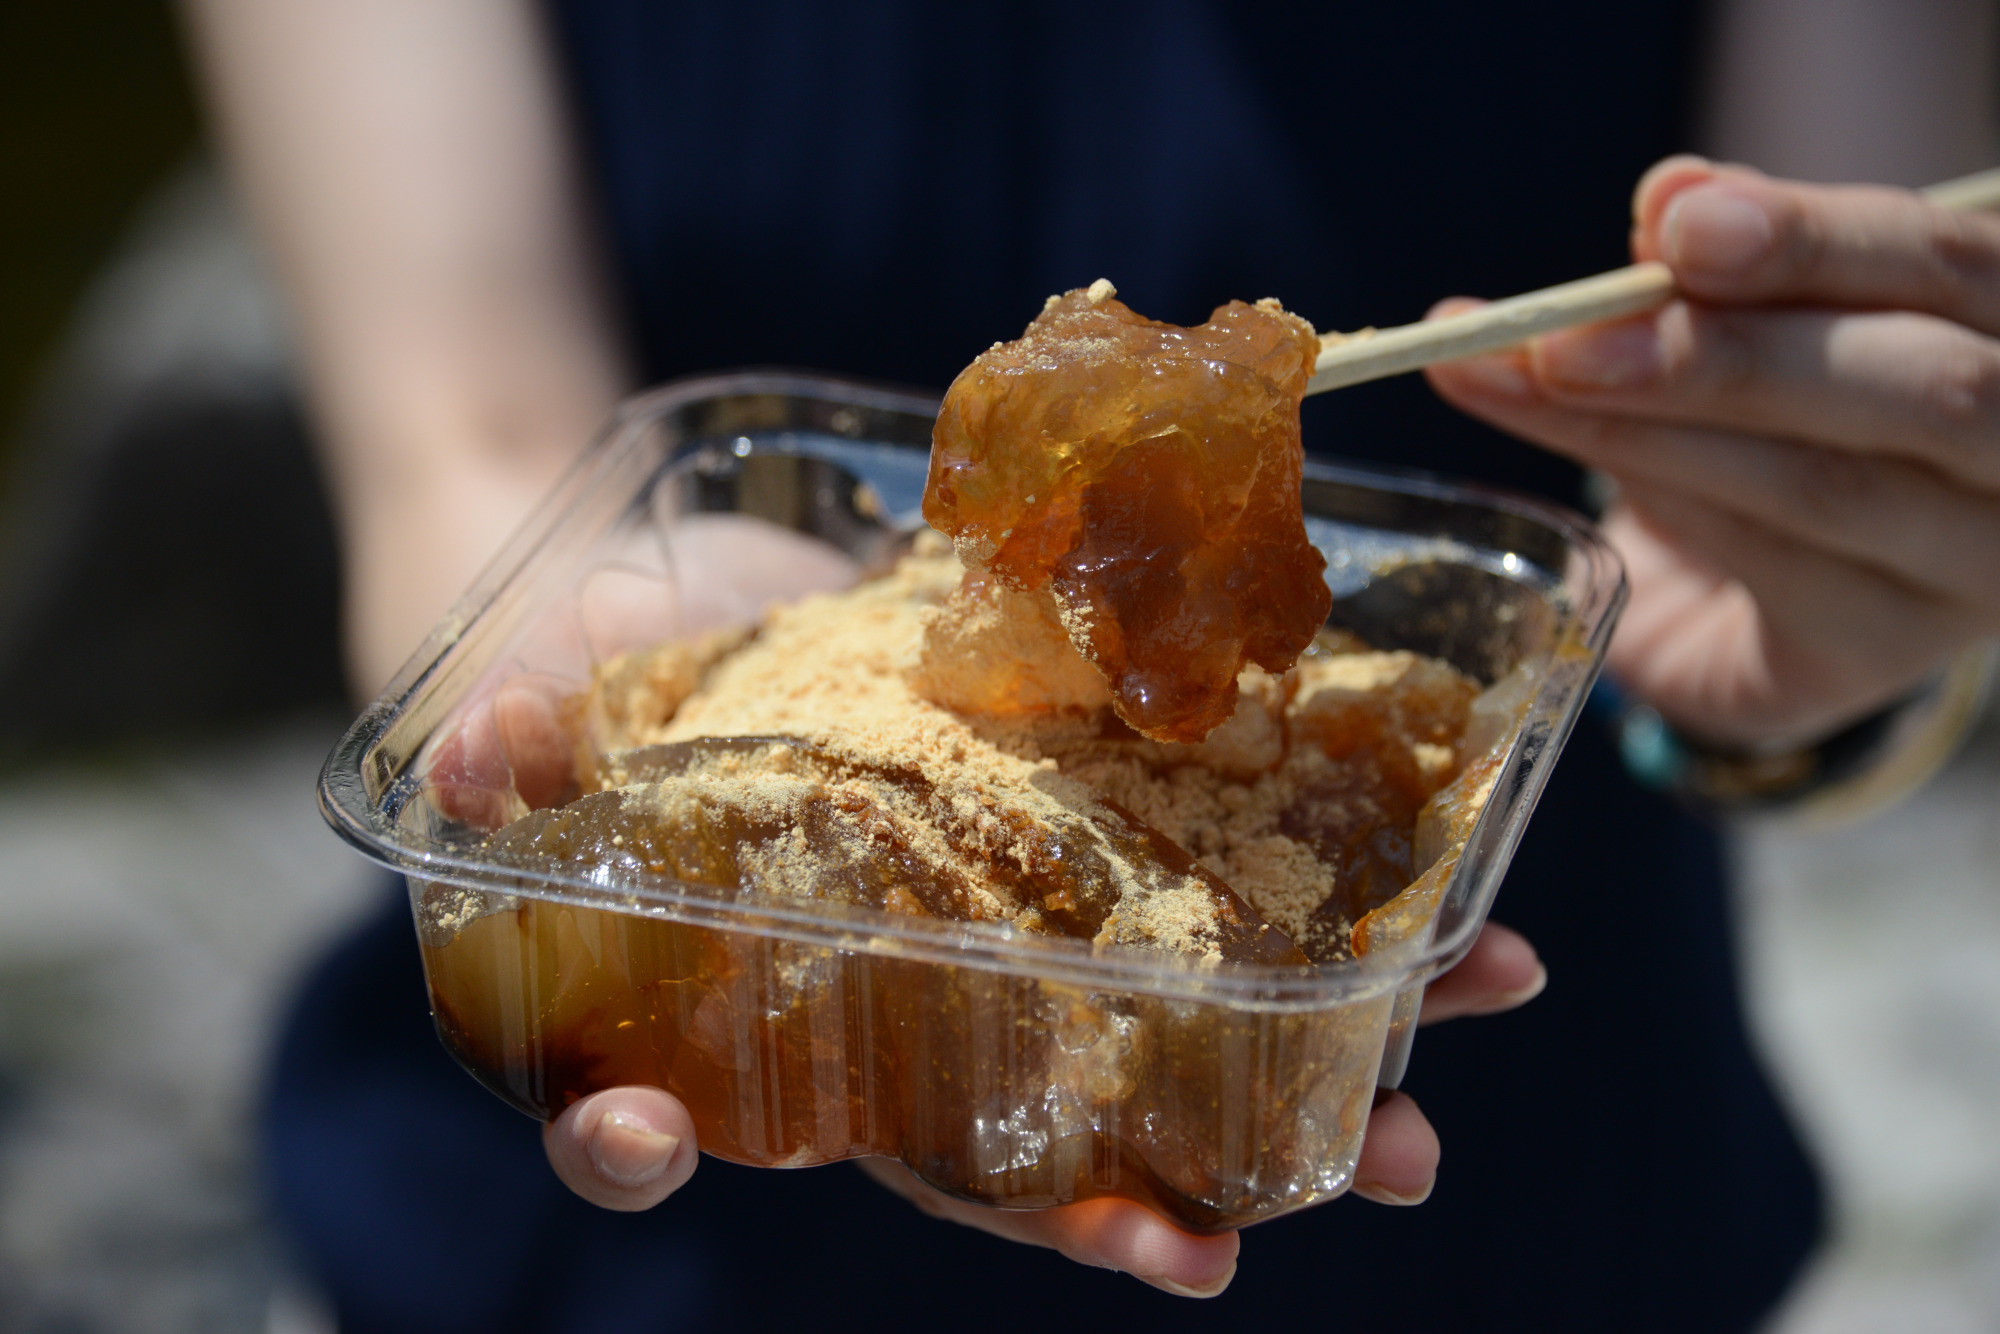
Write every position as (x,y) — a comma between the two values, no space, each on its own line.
(1149,475)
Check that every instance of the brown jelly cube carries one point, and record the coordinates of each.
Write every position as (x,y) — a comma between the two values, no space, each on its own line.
(1149,475)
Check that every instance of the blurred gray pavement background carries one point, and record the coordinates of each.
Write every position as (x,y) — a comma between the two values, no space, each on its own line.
(1872,955)
(168,595)
(161,885)
(153,915)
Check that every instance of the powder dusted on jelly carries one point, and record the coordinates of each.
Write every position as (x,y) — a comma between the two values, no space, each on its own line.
(1148,476)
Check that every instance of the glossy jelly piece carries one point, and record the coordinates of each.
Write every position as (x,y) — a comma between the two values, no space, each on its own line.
(822,824)
(795,834)
(1358,821)
(1444,828)
(1149,475)
(1404,711)
(1389,725)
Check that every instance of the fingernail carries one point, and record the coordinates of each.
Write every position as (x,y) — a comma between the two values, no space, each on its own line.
(1617,356)
(1678,162)
(1183,1290)
(1711,230)
(628,1153)
(1380,1194)
(1491,377)
(1522,995)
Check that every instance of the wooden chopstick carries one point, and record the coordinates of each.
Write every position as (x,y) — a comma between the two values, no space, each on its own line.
(1499,324)
(1346,359)
(1968,194)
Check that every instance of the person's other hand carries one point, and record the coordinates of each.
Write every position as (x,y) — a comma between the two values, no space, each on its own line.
(1806,446)
(630,1148)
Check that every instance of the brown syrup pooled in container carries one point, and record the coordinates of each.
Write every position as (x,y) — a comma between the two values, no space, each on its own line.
(1149,475)
(1005,1089)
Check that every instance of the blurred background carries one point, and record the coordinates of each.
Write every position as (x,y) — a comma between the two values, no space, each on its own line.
(168,597)
(168,594)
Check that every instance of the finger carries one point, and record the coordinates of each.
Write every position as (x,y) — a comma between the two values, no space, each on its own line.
(623,1148)
(1735,236)
(1500,377)
(1399,1158)
(512,743)
(1797,642)
(1499,972)
(540,753)
(1104,1233)
(1912,386)
(1901,519)
(1661,182)
(466,774)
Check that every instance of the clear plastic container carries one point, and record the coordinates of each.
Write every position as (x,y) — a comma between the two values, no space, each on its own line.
(1015,1069)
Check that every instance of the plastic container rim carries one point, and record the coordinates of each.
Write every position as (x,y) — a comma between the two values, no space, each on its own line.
(346,803)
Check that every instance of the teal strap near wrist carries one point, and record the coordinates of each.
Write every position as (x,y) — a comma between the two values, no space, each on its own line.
(1864,767)
(1651,750)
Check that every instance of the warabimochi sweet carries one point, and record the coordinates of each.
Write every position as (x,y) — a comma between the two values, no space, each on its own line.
(1108,711)
(1148,475)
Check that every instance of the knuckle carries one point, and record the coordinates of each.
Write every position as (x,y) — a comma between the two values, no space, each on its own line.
(1600,435)
(1962,253)
(1957,399)
(1717,359)
(1830,487)
(1800,249)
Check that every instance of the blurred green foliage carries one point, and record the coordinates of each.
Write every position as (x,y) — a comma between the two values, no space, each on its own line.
(95,107)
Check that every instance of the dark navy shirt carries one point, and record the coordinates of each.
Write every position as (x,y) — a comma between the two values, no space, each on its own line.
(885,187)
